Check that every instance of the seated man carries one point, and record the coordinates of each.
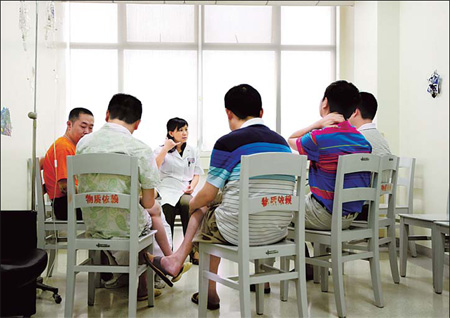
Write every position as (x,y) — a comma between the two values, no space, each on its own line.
(80,123)
(248,136)
(323,142)
(123,118)
(362,120)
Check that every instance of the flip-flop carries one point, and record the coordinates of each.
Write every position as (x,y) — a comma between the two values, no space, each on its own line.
(184,269)
(210,306)
(156,266)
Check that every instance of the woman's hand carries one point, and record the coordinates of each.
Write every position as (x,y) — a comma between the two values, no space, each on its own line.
(169,144)
(189,189)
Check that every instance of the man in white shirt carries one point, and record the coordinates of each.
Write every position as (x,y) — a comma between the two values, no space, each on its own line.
(362,119)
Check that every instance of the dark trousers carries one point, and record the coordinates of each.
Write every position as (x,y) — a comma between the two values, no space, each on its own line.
(181,208)
(364,215)
(60,209)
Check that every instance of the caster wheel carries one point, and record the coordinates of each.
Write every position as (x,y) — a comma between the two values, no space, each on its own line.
(57,298)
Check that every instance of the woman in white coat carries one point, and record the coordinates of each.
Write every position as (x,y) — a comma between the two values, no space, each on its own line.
(179,170)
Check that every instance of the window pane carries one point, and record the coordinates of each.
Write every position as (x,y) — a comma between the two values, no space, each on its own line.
(93,81)
(225,69)
(304,77)
(93,22)
(166,84)
(238,24)
(307,25)
(160,23)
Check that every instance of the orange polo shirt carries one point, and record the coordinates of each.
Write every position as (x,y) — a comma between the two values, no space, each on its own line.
(61,148)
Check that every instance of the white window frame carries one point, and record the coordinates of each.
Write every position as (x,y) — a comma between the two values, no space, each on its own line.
(199,45)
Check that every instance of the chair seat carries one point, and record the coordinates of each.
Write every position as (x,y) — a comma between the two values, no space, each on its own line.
(352,233)
(23,269)
(280,249)
(426,217)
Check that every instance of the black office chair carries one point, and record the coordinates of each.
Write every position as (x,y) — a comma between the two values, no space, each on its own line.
(21,264)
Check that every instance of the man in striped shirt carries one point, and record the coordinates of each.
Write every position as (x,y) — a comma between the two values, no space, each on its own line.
(248,136)
(323,142)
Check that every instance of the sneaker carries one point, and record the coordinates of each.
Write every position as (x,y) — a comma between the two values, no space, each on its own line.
(117,281)
(157,293)
(159,283)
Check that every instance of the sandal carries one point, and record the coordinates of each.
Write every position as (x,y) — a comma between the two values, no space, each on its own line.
(194,258)
(161,272)
(210,306)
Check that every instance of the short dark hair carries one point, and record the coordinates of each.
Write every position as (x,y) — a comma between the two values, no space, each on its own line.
(75,113)
(175,124)
(125,107)
(368,106)
(343,98)
(244,101)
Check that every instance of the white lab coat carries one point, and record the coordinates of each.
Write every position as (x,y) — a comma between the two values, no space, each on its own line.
(176,172)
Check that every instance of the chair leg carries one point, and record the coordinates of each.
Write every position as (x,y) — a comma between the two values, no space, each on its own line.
(91,280)
(70,283)
(203,282)
(324,270)
(393,253)
(259,290)
(338,278)
(51,263)
(284,285)
(412,245)
(132,284)
(438,261)
(150,282)
(300,285)
(244,289)
(375,273)
(316,272)
(404,233)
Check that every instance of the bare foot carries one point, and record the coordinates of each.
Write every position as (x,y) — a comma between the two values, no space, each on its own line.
(171,265)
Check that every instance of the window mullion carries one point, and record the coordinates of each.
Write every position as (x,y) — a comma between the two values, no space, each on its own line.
(121,41)
(200,33)
(276,31)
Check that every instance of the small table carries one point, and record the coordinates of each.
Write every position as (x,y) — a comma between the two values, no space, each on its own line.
(422,220)
(439,231)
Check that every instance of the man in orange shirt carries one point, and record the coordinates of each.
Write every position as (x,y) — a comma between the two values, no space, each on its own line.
(80,123)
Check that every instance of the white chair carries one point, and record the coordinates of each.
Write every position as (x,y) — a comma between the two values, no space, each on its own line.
(336,238)
(113,164)
(426,221)
(440,233)
(252,166)
(49,238)
(389,170)
(405,182)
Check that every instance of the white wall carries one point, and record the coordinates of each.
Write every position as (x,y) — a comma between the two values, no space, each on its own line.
(18,95)
(365,46)
(397,46)
(424,121)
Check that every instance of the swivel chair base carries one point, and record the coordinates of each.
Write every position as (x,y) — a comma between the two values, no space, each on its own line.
(44,287)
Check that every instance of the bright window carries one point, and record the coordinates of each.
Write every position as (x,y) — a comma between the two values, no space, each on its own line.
(180,60)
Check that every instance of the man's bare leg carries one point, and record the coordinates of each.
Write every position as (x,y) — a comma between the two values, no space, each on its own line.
(173,263)
(157,224)
(213,297)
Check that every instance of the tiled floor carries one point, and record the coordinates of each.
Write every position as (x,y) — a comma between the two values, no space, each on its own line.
(413,297)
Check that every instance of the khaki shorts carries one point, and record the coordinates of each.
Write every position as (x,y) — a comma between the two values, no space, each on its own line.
(318,218)
(208,231)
